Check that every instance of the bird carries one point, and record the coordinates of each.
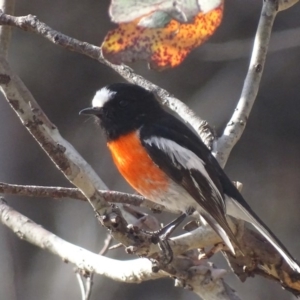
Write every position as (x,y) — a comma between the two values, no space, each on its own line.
(165,161)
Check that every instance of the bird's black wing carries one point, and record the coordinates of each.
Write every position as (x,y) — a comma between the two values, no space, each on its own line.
(218,200)
(180,154)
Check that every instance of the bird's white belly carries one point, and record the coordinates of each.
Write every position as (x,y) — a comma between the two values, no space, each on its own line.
(176,199)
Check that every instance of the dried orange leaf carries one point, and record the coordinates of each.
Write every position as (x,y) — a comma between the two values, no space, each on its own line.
(162,47)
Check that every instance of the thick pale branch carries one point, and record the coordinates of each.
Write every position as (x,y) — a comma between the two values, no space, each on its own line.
(47,135)
(130,271)
(235,127)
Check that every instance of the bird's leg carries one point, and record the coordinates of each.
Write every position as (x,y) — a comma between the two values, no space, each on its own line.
(168,229)
(160,237)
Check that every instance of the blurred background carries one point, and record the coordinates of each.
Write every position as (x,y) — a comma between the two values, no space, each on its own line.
(266,160)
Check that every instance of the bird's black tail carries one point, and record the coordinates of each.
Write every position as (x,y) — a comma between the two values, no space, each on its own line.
(237,210)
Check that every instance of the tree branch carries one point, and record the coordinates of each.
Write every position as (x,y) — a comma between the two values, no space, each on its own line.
(74,193)
(254,248)
(235,127)
(85,280)
(129,271)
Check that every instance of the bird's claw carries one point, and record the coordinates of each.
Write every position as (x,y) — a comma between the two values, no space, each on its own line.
(160,237)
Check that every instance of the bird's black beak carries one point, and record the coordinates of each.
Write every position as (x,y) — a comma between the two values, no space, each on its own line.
(89,111)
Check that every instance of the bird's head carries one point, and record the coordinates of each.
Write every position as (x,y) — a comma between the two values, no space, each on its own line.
(122,108)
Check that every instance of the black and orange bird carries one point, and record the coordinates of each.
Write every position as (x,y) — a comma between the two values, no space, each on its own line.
(166,162)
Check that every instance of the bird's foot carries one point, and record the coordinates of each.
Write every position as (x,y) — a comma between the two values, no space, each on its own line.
(160,237)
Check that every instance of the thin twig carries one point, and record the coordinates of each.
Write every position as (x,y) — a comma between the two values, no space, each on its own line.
(106,245)
(81,284)
(88,286)
(235,127)
(85,280)
(89,279)
(74,193)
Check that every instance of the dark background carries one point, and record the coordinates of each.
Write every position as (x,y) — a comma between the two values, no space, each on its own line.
(266,160)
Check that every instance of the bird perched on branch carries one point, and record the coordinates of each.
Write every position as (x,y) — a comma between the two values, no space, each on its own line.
(166,162)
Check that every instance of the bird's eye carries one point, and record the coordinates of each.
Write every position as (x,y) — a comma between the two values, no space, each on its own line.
(123,103)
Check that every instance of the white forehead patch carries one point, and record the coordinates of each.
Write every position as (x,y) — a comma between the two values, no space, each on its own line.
(102,96)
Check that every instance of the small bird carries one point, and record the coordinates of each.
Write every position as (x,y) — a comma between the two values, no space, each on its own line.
(166,162)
